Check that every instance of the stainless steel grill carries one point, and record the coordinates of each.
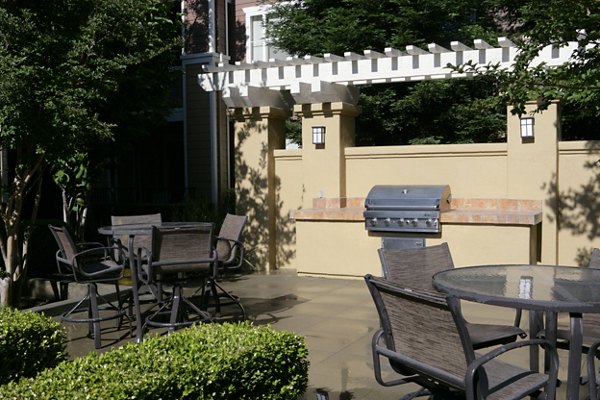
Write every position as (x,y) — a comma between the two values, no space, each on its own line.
(406,209)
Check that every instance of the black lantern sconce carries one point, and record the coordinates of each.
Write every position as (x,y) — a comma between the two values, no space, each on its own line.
(318,135)
(527,124)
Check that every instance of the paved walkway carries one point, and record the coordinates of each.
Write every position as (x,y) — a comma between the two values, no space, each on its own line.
(337,318)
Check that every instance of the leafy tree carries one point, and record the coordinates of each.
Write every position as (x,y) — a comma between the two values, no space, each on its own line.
(453,111)
(577,83)
(68,79)
(457,110)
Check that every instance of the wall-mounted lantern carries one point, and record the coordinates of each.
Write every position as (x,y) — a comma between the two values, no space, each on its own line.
(318,135)
(527,124)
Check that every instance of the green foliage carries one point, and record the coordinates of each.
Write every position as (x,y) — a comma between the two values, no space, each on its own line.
(63,60)
(327,26)
(408,113)
(293,130)
(429,112)
(433,112)
(73,73)
(29,343)
(575,83)
(229,361)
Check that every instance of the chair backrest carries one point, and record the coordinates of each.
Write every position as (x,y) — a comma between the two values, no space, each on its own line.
(140,241)
(414,267)
(65,243)
(592,320)
(423,331)
(182,249)
(231,230)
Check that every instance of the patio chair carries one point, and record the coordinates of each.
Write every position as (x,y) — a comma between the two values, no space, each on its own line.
(140,241)
(425,335)
(591,322)
(414,267)
(90,264)
(230,255)
(178,256)
(591,336)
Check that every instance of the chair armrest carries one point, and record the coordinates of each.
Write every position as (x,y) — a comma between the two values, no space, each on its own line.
(473,367)
(377,364)
(211,261)
(62,261)
(105,251)
(88,245)
(591,367)
(80,258)
(138,260)
(234,245)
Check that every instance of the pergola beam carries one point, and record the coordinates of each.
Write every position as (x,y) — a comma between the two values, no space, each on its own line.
(335,78)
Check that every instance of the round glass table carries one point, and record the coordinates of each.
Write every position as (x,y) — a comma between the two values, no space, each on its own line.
(547,289)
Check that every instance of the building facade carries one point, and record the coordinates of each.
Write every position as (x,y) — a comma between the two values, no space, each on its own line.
(190,156)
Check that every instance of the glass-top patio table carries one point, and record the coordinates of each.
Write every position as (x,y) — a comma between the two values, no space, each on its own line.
(133,230)
(538,288)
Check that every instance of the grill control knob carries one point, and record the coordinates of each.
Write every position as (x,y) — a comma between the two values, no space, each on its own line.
(415,222)
(429,222)
(373,221)
(387,221)
(401,221)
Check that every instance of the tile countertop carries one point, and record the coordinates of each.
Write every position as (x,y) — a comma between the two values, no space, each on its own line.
(462,211)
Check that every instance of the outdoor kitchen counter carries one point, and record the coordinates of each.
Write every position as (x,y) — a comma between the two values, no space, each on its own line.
(462,211)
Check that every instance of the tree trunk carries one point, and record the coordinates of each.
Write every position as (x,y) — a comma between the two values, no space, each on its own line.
(24,182)
(5,292)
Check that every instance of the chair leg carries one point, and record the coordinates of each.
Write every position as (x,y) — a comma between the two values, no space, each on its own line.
(93,290)
(175,307)
(215,288)
(215,294)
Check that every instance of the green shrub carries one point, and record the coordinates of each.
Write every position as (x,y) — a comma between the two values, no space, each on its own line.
(29,343)
(208,361)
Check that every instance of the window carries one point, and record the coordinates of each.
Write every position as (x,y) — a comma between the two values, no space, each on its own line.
(257,47)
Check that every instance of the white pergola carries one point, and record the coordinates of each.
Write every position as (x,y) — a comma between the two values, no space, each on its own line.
(333,78)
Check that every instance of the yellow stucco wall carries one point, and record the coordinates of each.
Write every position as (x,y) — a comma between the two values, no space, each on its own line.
(518,169)
(579,189)
(289,196)
(345,248)
(471,170)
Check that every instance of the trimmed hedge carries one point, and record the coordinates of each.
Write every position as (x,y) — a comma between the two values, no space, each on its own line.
(29,343)
(208,361)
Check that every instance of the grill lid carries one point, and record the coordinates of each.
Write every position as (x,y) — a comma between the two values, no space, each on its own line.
(415,197)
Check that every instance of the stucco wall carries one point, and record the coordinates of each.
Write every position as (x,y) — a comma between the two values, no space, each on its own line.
(579,190)
(327,235)
(472,171)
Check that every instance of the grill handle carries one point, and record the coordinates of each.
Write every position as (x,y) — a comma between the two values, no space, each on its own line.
(411,207)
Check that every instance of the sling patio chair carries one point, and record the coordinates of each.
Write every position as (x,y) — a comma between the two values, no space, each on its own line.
(424,334)
(90,264)
(414,268)
(178,257)
(140,241)
(230,256)
(591,322)
(591,337)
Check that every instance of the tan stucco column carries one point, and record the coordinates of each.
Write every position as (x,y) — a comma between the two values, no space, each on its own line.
(533,170)
(324,165)
(258,132)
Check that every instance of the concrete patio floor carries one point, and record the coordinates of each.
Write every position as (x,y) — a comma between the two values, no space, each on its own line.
(337,318)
